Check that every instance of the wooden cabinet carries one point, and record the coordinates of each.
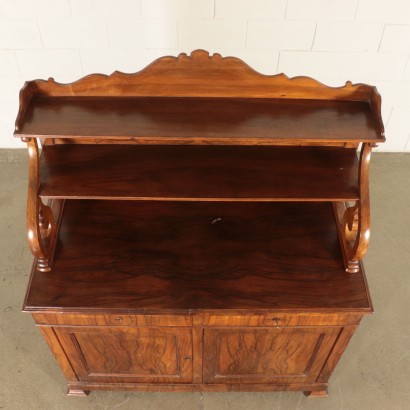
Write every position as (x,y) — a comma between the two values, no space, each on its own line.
(198,226)
(197,352)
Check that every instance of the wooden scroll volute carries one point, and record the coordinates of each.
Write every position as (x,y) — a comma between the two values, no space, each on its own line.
(41,225)
(354,221)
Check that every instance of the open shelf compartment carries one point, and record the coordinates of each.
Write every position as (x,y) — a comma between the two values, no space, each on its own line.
(191,173)
(183,256)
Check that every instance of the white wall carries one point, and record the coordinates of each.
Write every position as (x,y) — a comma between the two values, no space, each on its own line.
(330,40)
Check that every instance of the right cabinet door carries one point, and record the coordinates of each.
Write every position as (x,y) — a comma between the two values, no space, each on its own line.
(266,355)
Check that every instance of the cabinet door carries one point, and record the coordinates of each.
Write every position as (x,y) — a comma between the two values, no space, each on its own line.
(120,354)
(266,355)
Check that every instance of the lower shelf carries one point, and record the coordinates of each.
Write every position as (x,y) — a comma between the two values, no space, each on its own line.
(184,256)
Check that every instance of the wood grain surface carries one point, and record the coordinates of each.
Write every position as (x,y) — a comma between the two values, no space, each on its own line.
(176,257)
(129,354)
(200,120)
(266,355)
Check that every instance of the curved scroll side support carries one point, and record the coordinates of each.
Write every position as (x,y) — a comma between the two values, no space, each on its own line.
(363,228)
(354,221)
(40,219)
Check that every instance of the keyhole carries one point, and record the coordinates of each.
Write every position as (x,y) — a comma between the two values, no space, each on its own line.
(276,320)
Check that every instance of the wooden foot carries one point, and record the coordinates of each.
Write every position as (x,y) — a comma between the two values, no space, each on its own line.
(78,392)
(316,393)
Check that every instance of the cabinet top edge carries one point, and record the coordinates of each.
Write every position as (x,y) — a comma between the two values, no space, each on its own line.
(196,312)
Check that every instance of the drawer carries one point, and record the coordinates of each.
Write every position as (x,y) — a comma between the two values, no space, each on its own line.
(72,319)
(273,319)
(278,320)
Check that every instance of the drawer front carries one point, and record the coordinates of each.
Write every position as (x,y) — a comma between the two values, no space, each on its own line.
(275,319)
(120,354)
(266,355)
(56,319)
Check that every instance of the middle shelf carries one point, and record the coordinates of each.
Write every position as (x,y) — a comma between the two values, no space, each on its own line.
(199,173)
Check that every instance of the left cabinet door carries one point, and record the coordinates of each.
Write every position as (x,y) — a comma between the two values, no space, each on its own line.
(128,354)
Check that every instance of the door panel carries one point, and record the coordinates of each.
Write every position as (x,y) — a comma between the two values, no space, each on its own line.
(255,355)
(129,354)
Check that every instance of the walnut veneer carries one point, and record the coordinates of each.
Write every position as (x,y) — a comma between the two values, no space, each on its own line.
(198,226)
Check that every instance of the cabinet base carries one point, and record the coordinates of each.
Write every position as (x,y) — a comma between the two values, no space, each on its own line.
(310,390)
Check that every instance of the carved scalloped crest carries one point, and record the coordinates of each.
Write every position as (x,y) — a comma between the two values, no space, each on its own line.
(199,65)
(199,75)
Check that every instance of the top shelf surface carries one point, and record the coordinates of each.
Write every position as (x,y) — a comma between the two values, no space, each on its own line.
(190,120)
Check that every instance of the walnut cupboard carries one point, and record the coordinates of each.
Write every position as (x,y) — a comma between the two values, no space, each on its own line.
(198,226)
